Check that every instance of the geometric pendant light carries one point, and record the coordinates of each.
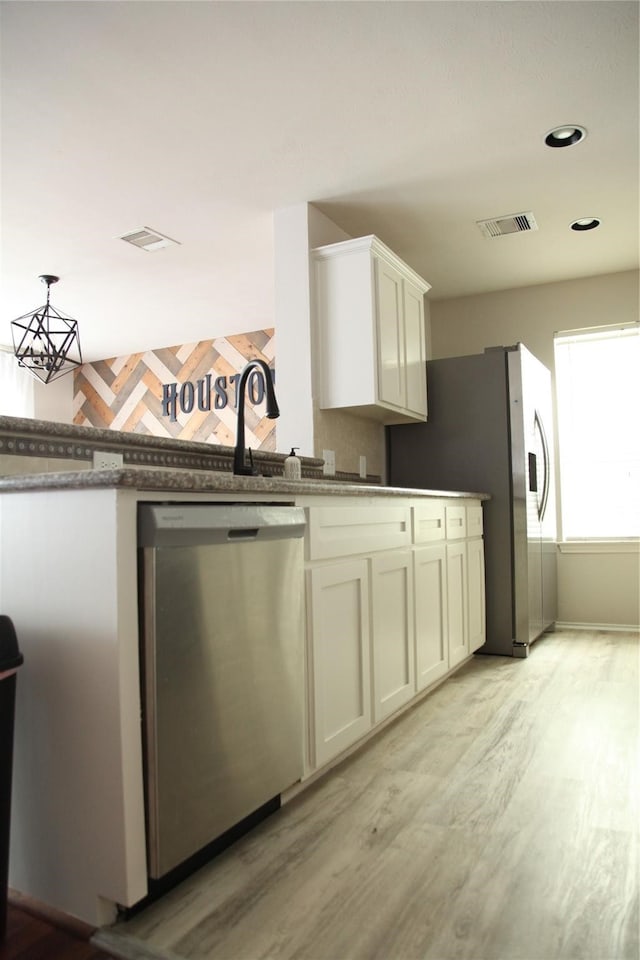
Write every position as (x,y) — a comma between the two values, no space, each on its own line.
(44,339)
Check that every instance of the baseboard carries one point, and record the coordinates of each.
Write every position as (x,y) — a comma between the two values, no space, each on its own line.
(607,627)
(43,911)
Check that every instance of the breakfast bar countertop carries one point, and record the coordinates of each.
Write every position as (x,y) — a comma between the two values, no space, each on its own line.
(183,481)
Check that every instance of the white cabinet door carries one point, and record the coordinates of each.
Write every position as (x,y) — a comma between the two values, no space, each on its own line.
(457,602)
(392,631)
(477,621)
(431,627)
(390,331)
(414,350)
(340,659)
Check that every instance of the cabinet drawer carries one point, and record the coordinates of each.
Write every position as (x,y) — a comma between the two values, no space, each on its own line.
(474,521)
(456,522)
(342,531)
(429,521)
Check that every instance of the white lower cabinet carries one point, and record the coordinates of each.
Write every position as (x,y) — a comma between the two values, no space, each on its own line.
(431,621)
(392,632)
(397,616)
(457,602)
(476,594)
(338,617)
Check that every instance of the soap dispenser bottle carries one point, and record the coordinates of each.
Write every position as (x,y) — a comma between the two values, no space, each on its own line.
(292,466)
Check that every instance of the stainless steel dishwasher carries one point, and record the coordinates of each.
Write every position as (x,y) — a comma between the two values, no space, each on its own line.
(222,667)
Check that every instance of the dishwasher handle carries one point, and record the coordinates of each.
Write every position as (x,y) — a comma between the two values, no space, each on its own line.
(194,524)
(251,533)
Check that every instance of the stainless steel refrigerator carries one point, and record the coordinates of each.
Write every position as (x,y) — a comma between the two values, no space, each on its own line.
(489,429)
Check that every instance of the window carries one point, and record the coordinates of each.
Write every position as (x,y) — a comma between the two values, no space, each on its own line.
(598,402)
(16,387)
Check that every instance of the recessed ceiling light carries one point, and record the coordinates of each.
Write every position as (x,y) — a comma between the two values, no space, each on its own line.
(565,136)
(586,223)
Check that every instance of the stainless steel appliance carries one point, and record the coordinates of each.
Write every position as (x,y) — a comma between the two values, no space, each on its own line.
(222,666)
(490,430)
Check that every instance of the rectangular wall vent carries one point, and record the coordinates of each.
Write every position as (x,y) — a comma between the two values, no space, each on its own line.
(501,226)
(146,239)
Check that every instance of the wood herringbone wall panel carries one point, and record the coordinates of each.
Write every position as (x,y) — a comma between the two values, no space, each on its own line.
(126,393)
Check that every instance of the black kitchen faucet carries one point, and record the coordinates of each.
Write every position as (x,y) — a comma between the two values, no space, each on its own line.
(273,411)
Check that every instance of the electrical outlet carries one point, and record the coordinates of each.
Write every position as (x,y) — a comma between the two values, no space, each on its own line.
(363,467)
(329,468)
(106,460)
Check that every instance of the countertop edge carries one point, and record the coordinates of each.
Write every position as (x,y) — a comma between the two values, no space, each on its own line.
(181,481)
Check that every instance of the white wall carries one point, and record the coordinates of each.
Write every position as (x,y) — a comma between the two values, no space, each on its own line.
(293,329)
(599,588)
(593,588)
(532,315)
(54,402)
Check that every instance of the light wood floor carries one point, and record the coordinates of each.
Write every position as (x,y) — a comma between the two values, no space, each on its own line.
(495,821)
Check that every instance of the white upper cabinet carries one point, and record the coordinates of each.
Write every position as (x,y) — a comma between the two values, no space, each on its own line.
(370,331)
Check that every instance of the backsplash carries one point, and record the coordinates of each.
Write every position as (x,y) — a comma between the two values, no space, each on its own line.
(184,392)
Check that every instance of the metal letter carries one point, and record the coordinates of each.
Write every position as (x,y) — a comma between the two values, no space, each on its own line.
(220,387)
(256,387)
(187,397)
(169,397)
(235,380)
(204,393)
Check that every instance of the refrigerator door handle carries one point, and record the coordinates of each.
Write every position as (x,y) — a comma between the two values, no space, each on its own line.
(533,474)
(542,503)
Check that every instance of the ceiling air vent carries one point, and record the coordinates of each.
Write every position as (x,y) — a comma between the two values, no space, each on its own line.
(501,226)
(147,239)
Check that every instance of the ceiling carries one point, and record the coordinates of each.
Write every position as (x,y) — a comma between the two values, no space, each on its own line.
(410,120)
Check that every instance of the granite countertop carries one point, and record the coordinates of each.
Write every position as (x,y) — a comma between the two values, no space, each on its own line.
(183,481)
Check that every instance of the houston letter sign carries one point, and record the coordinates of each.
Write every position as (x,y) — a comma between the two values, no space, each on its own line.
(210,393)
